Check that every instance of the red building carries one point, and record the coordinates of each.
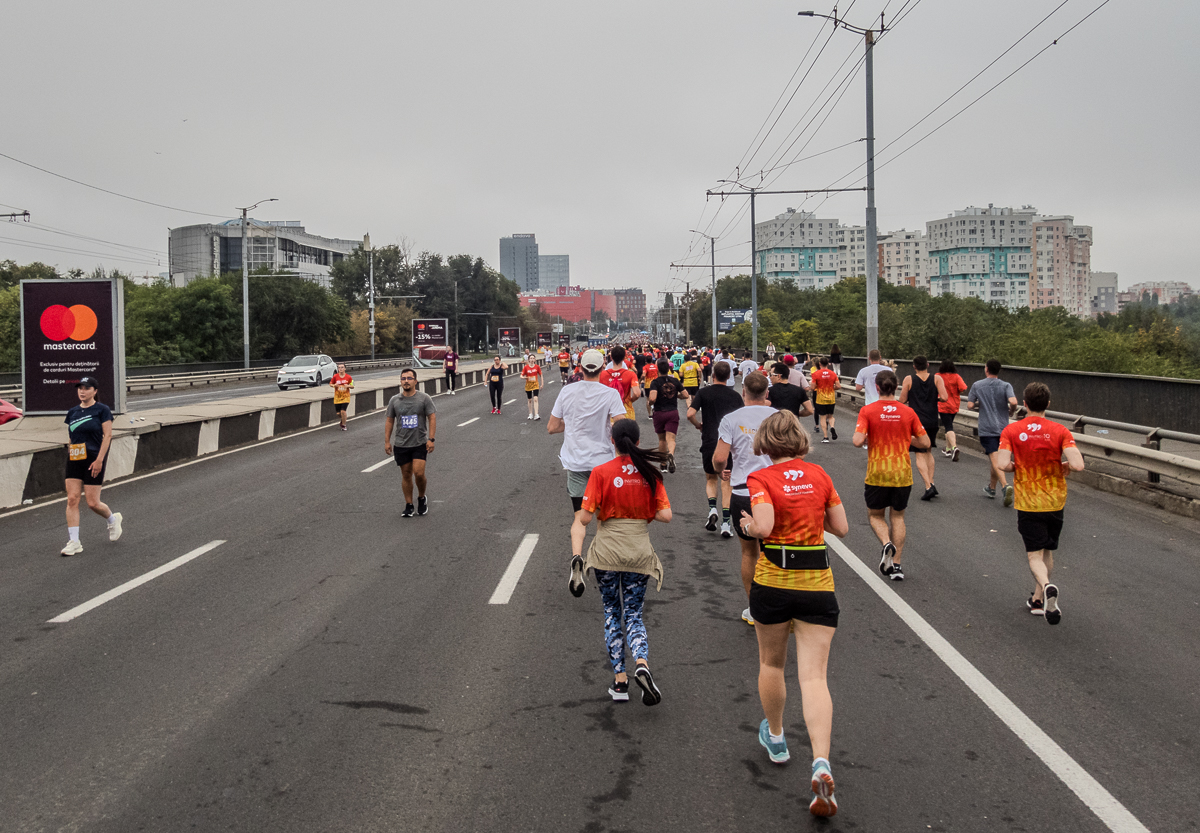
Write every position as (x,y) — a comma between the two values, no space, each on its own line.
(578,305)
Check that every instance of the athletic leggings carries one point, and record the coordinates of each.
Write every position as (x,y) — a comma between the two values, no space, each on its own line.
(623,595)
(496,392)
(449,379)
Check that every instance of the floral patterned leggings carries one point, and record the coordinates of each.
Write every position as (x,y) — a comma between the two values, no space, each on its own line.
(623,595)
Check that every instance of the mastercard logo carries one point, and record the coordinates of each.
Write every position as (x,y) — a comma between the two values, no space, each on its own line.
(76,323)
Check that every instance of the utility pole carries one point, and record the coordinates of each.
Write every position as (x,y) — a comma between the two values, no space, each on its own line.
(872,232)
(456,316)
(753,280)
(687,299)
(370,292)
(246,283)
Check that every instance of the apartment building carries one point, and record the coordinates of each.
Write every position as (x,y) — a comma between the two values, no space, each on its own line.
(519,261)
(814,252)
(903,259)
(984,253)
(1061,253)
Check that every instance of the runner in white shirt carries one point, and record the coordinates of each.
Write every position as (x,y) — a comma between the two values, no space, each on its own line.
(864,382)
(748,366)
(736,437)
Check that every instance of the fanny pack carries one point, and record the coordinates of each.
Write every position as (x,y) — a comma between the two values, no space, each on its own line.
(796,558)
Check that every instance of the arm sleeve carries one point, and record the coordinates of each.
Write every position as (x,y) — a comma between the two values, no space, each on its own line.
(660,497)
(971,395)
(430,408)
(592,493)
(758,490)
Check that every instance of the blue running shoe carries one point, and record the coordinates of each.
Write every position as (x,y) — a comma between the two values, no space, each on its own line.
(777,751)
(823,803)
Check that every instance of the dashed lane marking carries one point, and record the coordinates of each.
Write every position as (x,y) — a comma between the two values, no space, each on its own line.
(468,422)
(508,581)
(378,465)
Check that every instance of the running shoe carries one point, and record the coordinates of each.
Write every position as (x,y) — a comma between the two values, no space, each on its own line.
(897,573)
(409,511)
(946,452)
(713,518)
(671,463)
(619,692)
(726,530)
(777,752)
(990,492)
(72,548)
(954,459)
(929,493)
(662,466)
(529,417)
(833,433)
(1036,606)
(1008,495)
(344,428)
(537,416)
(825,439)
(885,558)
(422,505)
(1053,612)
(746,617)
(651,696)
(576,584)
(114,528)
(497,412)
(452,391)
(823,803)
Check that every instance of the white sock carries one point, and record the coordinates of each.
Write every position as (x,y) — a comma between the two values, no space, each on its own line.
(73,533)
(817,761)
(775,738)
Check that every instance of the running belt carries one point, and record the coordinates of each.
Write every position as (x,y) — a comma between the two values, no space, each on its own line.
(796,558)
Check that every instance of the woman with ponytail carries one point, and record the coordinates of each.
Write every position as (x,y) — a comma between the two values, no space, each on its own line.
(625,494)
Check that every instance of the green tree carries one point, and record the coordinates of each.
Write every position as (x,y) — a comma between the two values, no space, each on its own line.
(11,274)
(10,329)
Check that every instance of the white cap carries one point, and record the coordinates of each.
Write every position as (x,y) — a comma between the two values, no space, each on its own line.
(592,360)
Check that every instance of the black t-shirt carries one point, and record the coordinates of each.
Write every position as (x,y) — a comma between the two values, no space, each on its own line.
(640,360)
(668,388)
(713,403)
(86,425)
(785,397)
(495,374)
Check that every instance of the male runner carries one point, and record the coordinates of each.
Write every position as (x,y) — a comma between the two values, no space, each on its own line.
(341,382)
(996,402)
(677,359)
(689,373)
(450,366)
(712,404)
(783,395)
(735,438)
(864,382)
(409,433)
(623,380)
(748,366)
(706,364)
(923,392)
(893,428)
(826,382)
(564,363)
(727,359)
(1033,449)
(89,433)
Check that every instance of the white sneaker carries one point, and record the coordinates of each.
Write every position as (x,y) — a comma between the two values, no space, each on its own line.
(114,529)
(537,416)
(746,617)
(726,530)
(529,417)
(452,391)
(72,548)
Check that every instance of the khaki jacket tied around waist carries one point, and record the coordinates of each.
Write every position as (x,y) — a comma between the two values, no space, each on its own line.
(623,545)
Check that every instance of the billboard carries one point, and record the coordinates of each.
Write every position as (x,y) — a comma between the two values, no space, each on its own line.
(727,319)
(69,329)
(544,340)
(429,332)
(564,339)
(509,335)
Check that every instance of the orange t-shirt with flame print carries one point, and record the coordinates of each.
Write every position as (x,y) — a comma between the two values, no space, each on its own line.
(1037,445)
(799,492)
(889,427)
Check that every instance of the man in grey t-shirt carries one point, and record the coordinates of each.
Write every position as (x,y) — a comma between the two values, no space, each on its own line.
(409,431)
(996,402)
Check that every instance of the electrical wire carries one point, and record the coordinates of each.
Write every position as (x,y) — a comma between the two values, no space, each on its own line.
(68,250)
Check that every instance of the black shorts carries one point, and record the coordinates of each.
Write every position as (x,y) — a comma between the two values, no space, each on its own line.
(931,429)
(692,389)
(529,394)
(338,407)
(1040,530)
(707,372)
(774,606)
(78,470)
(737,505)
(990,444)
(887,497)
(947,421)
(824,410)
(706,455)
(404,456)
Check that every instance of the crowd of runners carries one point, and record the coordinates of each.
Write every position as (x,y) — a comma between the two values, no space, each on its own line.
(759,485)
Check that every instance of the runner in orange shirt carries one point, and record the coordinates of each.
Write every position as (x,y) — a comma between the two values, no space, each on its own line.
(623,379)
(1033,449)
(892,428)
(826,383)
(341,382)
(564,363)
(948,410)
(532,373)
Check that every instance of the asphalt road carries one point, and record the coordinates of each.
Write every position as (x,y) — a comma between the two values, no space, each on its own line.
(331,666)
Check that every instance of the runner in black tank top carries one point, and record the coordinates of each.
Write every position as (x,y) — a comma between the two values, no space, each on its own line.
(923,395)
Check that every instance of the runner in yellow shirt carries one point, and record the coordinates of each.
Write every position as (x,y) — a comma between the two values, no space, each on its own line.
(341,383)
(690,373)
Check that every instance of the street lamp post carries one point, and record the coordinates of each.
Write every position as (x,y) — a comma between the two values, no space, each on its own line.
(872,265)
(246,283)
(370,292)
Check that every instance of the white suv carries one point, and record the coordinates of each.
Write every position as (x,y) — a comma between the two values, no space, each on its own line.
(306,371)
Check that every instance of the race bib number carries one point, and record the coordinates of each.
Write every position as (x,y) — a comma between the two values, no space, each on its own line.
(408,421)
(77,451)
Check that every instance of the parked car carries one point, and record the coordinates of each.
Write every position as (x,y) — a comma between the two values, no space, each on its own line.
(8,412)
(306,371)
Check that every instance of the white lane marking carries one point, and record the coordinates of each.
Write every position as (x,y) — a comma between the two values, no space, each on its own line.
(137,582)
(508,581)
(378,465)
(1099,800)
(468,422)
(509,402)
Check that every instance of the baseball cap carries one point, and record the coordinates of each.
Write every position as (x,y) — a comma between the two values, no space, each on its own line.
(789,359)
(87,382)
(592,360)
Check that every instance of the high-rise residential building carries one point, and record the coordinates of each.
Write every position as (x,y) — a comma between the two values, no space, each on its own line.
(1168,292)
(278,245)
(519,261)
(903,260)
(852,252)
(1102,289)
(553,271)
(800,246)
(1061,254)
(983,253)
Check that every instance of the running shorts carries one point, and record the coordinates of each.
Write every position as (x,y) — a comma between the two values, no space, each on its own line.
(1040,530)
(529,394)
(666,422)
(404,456)
(990,444)
(947,421)
(706,457)
(707,372)
(931,429)
(576,485)
(887,497)
(79,470)
(692,389)
(737,505)
(824,410)
(338,407)
(774,606)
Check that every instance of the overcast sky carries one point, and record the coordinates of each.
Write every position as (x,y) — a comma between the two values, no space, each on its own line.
(599,127)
